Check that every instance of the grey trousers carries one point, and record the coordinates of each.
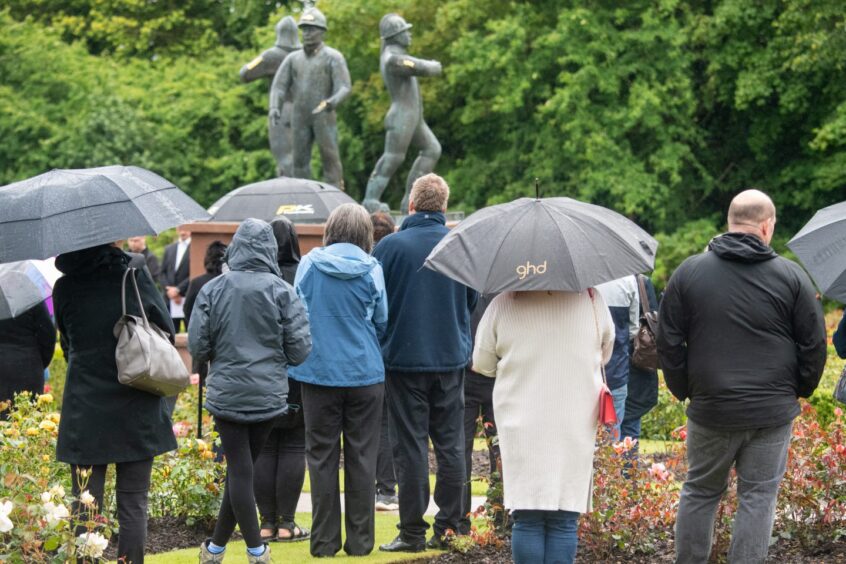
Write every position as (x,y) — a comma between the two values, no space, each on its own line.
(759,457)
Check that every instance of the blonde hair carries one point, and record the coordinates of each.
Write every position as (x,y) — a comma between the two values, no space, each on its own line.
(349,223)
(430,192)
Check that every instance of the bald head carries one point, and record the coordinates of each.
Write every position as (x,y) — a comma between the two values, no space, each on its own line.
(753,212)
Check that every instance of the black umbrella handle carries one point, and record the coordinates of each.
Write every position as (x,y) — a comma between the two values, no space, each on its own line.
(537,188)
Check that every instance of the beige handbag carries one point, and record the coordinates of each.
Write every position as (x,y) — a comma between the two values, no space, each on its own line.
(146,360)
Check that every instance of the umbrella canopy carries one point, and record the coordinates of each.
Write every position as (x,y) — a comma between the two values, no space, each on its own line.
(67,210)
(821,246)
(298,199)
(542,244)
(22,285)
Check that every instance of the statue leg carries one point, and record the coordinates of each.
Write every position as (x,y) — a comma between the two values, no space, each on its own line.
(396,145)
(427,158)
(303,139)
(326,135)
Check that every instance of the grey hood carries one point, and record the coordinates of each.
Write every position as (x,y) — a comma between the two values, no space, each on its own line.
(253,248)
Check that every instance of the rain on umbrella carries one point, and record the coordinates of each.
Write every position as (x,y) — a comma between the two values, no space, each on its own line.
(22,286)
(821,246)
(542,244)
(67,210)
(298,199)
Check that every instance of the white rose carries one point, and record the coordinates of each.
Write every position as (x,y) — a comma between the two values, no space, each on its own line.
(46,497)
(86,498)
(58,491)
(5,522)
(55,513)
(91,545)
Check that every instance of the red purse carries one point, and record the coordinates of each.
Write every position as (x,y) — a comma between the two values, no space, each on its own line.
(607,413)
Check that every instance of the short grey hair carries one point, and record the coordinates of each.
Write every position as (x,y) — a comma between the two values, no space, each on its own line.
(349,223)
(430,193)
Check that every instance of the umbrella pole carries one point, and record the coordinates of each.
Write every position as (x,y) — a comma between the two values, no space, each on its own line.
(537,188)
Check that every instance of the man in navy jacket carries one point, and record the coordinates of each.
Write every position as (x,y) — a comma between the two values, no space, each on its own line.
(426,347)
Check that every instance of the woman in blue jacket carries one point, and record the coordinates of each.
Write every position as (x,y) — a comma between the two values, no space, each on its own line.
(343,290)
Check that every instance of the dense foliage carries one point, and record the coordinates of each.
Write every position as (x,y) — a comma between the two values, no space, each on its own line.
(662,110)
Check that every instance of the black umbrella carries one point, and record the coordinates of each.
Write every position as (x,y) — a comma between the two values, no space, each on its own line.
(542,244)
(298,199)
(22,285)
(67,210)
(821,246)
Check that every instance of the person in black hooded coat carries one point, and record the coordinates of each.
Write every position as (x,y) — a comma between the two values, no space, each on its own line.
(280,467)
(27,343)
(103,421)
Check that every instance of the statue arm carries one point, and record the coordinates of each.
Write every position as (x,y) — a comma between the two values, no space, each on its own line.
(406,65)
(341,82)
(265,64)
(279,89)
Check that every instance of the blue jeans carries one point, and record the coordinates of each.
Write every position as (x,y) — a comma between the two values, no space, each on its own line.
(544,537)
(619,396)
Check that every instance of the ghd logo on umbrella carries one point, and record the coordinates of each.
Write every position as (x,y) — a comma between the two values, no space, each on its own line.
(529,269)
(295,209)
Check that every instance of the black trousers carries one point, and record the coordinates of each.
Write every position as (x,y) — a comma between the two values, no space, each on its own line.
(242,443)
(279,475)
(132,485)
(386,479)
(425,405)
(478,401)
(356,413)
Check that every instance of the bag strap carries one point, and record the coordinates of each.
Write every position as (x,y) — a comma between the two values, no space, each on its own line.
(644,297)
(132,271)
(591,293)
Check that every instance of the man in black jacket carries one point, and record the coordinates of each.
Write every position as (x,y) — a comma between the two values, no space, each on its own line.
(174,275)
(742,335)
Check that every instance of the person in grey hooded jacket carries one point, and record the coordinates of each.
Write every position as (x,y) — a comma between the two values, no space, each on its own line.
(250,325)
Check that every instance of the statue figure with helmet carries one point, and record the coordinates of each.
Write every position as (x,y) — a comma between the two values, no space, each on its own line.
(266,64)
(404,122)
(317,80)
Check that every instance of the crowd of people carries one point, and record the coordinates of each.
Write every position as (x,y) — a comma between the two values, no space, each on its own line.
(355,350)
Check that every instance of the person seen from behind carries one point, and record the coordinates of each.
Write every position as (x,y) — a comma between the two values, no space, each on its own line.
(103,421)
(742,336)
(251,326)
(343,388)
(546,351)
(27,344)
(425,349)
(386,480)
(280,467)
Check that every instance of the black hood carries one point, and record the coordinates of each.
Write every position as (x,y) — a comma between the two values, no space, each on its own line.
(741,247)
(286,238)
(92,259)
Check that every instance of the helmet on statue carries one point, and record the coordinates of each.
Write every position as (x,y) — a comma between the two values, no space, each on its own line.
(391,25)
(314,18)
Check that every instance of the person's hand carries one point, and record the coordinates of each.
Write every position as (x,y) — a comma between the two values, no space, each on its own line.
(172,292)
(275,116)
(324,106)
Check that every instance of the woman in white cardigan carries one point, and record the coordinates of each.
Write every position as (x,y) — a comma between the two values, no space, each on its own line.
(545,350)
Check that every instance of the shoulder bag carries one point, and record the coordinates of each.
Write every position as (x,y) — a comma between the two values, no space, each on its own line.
(146,360)
(645,354)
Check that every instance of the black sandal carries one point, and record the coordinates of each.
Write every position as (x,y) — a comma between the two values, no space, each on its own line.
(292,528)
(272,536)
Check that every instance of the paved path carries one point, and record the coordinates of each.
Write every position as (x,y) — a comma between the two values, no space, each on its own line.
(304,505)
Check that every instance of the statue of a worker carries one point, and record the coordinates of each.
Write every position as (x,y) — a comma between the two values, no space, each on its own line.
(266,64)
(318,80)
(404,122)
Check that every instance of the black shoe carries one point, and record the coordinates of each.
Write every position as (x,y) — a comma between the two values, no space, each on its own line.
(399,545)
(437,543)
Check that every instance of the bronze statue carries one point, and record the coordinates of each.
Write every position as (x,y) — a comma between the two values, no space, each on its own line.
(404,123)
(318,80)
(266,64)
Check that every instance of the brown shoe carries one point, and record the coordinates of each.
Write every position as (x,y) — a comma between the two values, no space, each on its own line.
(207,557)
(263,559)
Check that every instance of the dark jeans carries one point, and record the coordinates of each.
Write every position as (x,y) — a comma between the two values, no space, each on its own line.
(544,537)
(642,397)
(279,475)
(242,443)
(759,457)
(131,487)
(386,479)
(354,412)
(427,405)
(478,400)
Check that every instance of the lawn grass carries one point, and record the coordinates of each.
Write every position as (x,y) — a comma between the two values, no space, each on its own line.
(478,487)
(294,553)
(655,446)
